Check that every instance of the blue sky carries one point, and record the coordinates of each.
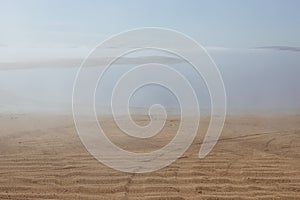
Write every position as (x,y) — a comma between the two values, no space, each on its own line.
(233,23)
(52,37)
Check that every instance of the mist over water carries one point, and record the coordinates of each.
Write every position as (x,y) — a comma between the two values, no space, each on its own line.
(256,81)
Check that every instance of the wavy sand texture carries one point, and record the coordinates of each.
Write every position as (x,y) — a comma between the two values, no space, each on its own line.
(257,157)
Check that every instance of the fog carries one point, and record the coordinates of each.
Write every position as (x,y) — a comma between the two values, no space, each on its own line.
(258,80)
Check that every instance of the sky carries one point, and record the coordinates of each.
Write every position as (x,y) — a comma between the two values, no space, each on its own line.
(256,45)
(69,23)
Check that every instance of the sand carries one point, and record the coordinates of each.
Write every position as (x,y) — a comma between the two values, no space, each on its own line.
(257,157)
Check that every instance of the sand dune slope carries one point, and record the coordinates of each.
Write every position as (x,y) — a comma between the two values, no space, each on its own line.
(257,157)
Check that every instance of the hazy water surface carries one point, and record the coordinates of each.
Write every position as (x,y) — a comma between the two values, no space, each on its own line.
(255,81)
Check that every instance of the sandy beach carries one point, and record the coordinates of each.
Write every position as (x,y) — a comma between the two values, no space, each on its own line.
(257,157)
(72,72)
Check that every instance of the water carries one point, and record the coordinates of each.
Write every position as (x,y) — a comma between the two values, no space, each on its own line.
(256,81)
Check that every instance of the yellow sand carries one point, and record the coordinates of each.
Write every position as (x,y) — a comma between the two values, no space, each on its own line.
(257,157)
